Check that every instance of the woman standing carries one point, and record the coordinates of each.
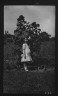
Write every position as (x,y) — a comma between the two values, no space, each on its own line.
(26,55)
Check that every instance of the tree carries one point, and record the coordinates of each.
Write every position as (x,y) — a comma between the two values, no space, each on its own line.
(20,32)
(44,36)
(52,38)
(35,43)
(25,29)
(6,35)
(6,32)
(30,31)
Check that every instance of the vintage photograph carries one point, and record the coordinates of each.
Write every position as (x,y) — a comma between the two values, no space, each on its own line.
(29,49)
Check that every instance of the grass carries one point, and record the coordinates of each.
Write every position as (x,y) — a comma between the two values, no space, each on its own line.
(17,81)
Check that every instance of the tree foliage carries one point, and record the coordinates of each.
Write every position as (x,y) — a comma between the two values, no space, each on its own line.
(25,29)
(44,36)
(30,31)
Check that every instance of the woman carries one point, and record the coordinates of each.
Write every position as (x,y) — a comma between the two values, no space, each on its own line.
(26,58)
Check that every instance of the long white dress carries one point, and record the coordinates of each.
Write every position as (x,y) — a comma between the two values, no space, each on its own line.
(26,53)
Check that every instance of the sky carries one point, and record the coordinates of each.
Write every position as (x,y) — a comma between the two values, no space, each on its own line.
(43,15)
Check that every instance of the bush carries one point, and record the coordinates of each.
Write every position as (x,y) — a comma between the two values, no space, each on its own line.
(9,40)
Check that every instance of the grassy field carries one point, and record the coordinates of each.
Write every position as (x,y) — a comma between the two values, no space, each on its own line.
(16,81)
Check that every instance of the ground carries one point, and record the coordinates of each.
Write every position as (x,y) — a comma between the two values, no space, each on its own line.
(17,81)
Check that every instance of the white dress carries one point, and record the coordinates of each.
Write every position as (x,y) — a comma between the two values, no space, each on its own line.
(26,53)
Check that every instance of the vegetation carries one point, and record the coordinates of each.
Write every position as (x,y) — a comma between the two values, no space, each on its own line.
(8,37)
(17,81)
(21,82)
